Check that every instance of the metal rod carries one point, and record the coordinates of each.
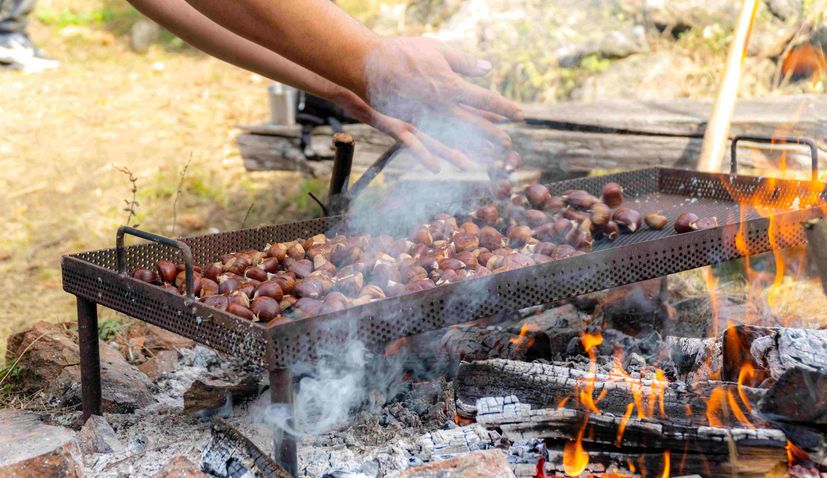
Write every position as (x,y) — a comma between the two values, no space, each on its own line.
(373,171)
(90,368)
(342,163)
(284,443)
(780,140)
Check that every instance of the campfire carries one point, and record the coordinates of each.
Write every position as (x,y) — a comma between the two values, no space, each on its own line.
(613,384)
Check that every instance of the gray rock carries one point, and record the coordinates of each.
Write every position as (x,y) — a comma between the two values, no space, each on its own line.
(785,9)
(97,436)
(163,362)
(678,14)
(31,449)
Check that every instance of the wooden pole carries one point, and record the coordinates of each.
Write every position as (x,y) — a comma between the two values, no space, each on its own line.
(717,130)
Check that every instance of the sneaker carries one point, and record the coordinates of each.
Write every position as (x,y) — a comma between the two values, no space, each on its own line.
(18,52)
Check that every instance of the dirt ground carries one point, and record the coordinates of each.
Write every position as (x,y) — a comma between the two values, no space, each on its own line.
(66,133)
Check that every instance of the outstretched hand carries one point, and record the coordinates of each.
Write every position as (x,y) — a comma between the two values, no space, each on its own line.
(418,88)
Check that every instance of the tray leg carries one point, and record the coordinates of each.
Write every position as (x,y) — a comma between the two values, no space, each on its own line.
(284,443)
(90,367)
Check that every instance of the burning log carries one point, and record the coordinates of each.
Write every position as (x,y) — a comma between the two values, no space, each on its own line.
(772,351)
(617,440)
(549,385)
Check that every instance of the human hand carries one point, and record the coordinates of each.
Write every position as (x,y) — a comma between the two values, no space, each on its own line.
(420,81)
(422,146)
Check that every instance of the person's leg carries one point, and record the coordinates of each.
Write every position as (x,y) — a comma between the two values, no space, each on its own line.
(16,48)
(14,15)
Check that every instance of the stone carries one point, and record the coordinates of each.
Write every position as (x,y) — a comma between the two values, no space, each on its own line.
(156,338)
(31,449)
(680,14)
(97,436)
(799,395)
(163,362)
(50,362)
(478,464)
(786,9)
(208,398)
(181,467)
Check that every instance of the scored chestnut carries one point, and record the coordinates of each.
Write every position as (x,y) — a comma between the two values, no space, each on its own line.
(655,220)
(265,308)
(629,220)
(601,214)
(241,311)
(145,275)
(488,214)
(686,222)
(537,195)
(270,288)
(166,270)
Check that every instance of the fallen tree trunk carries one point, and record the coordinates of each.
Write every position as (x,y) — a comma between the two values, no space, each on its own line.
(547,385)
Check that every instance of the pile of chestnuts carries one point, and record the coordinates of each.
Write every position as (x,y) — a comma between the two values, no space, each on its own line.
(320,274)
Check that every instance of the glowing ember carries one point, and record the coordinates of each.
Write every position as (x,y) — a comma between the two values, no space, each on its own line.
(620,429)
(540,471)
(795,455)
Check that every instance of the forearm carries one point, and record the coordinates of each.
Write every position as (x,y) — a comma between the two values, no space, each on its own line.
(313,33)
(199,31)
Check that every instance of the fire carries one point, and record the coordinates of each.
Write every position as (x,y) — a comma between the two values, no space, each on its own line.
(666,460)
(622,427)
(747,372)
(586,393)
(523,337)
(720,404)
(540,471)
(795,455)
(575,458)
(805,60)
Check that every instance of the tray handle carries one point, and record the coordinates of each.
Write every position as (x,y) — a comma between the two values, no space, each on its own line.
(183,247)
(770,140)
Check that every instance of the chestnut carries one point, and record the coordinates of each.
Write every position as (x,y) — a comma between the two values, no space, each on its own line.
(413,273)
(706,223)
(422,235)
(208,287)
(554,204)
(220,302)
(240,298)
(334,302)
(248,289)
(535,218)
(213,271)
(270,288)
(575,215)
(372,291)
(537,195)
(465,242)
(561,227)
(265,308)
(227,284)
(145,275)
(655,220)
(468,258)
(610,231)
(270,265)
(286,281)
(488,214)
(241,311)
(686,222)
(629,220)
(181,282)
(501,189)
(544,248)
(287,302)
(518,236)
(420,285)
(308,307)
(580,199)
(296,251)
(302,268)
(491,238)
(257,273)
(612,194)
(170,288)
(166,270)
(277,251)
(563,251)
(469,227)
(351,284)
(238,264)
(311,288)
(451,263)
(601,214)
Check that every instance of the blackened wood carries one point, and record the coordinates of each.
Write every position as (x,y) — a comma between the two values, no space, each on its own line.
(547,385)
(229,454)
(817,239)
(799,395)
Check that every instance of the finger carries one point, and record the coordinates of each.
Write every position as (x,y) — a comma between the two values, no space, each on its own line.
(453,156)
(464,64)
(493,117)
(487,100)
(410,140)
(487,129)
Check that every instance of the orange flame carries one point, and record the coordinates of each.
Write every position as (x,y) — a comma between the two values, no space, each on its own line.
(795,455)
(575,458)
(715,406)
(523,337)
(666,460)
(805,60)
(622,427)
(586,394)
(747,372)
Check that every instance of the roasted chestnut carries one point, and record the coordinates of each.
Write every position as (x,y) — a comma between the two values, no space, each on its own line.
(580,199)
(601,214)
(166,270)
(537,195)
(488,214)
(655,220)
(629,220)
(241,311)
(491,238)
(145,275)
(265,308)
(612,195)
(686,222)
(270,288)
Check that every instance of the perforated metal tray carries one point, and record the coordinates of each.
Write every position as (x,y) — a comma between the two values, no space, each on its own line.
(631,258)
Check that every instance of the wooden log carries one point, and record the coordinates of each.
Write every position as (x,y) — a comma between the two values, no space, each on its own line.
(773,350)
(548,385)
(693,449)
(799,395)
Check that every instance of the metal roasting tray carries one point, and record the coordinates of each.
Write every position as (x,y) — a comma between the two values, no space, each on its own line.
(95,277)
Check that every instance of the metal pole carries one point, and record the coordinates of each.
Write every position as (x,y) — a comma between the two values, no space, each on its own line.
(90,367)
(284,443)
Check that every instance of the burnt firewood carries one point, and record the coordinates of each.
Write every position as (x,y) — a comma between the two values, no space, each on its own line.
(694,449)
(799,395)
(548,385)
(772,351)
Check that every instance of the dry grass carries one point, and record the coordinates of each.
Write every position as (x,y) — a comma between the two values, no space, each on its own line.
(66,131)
